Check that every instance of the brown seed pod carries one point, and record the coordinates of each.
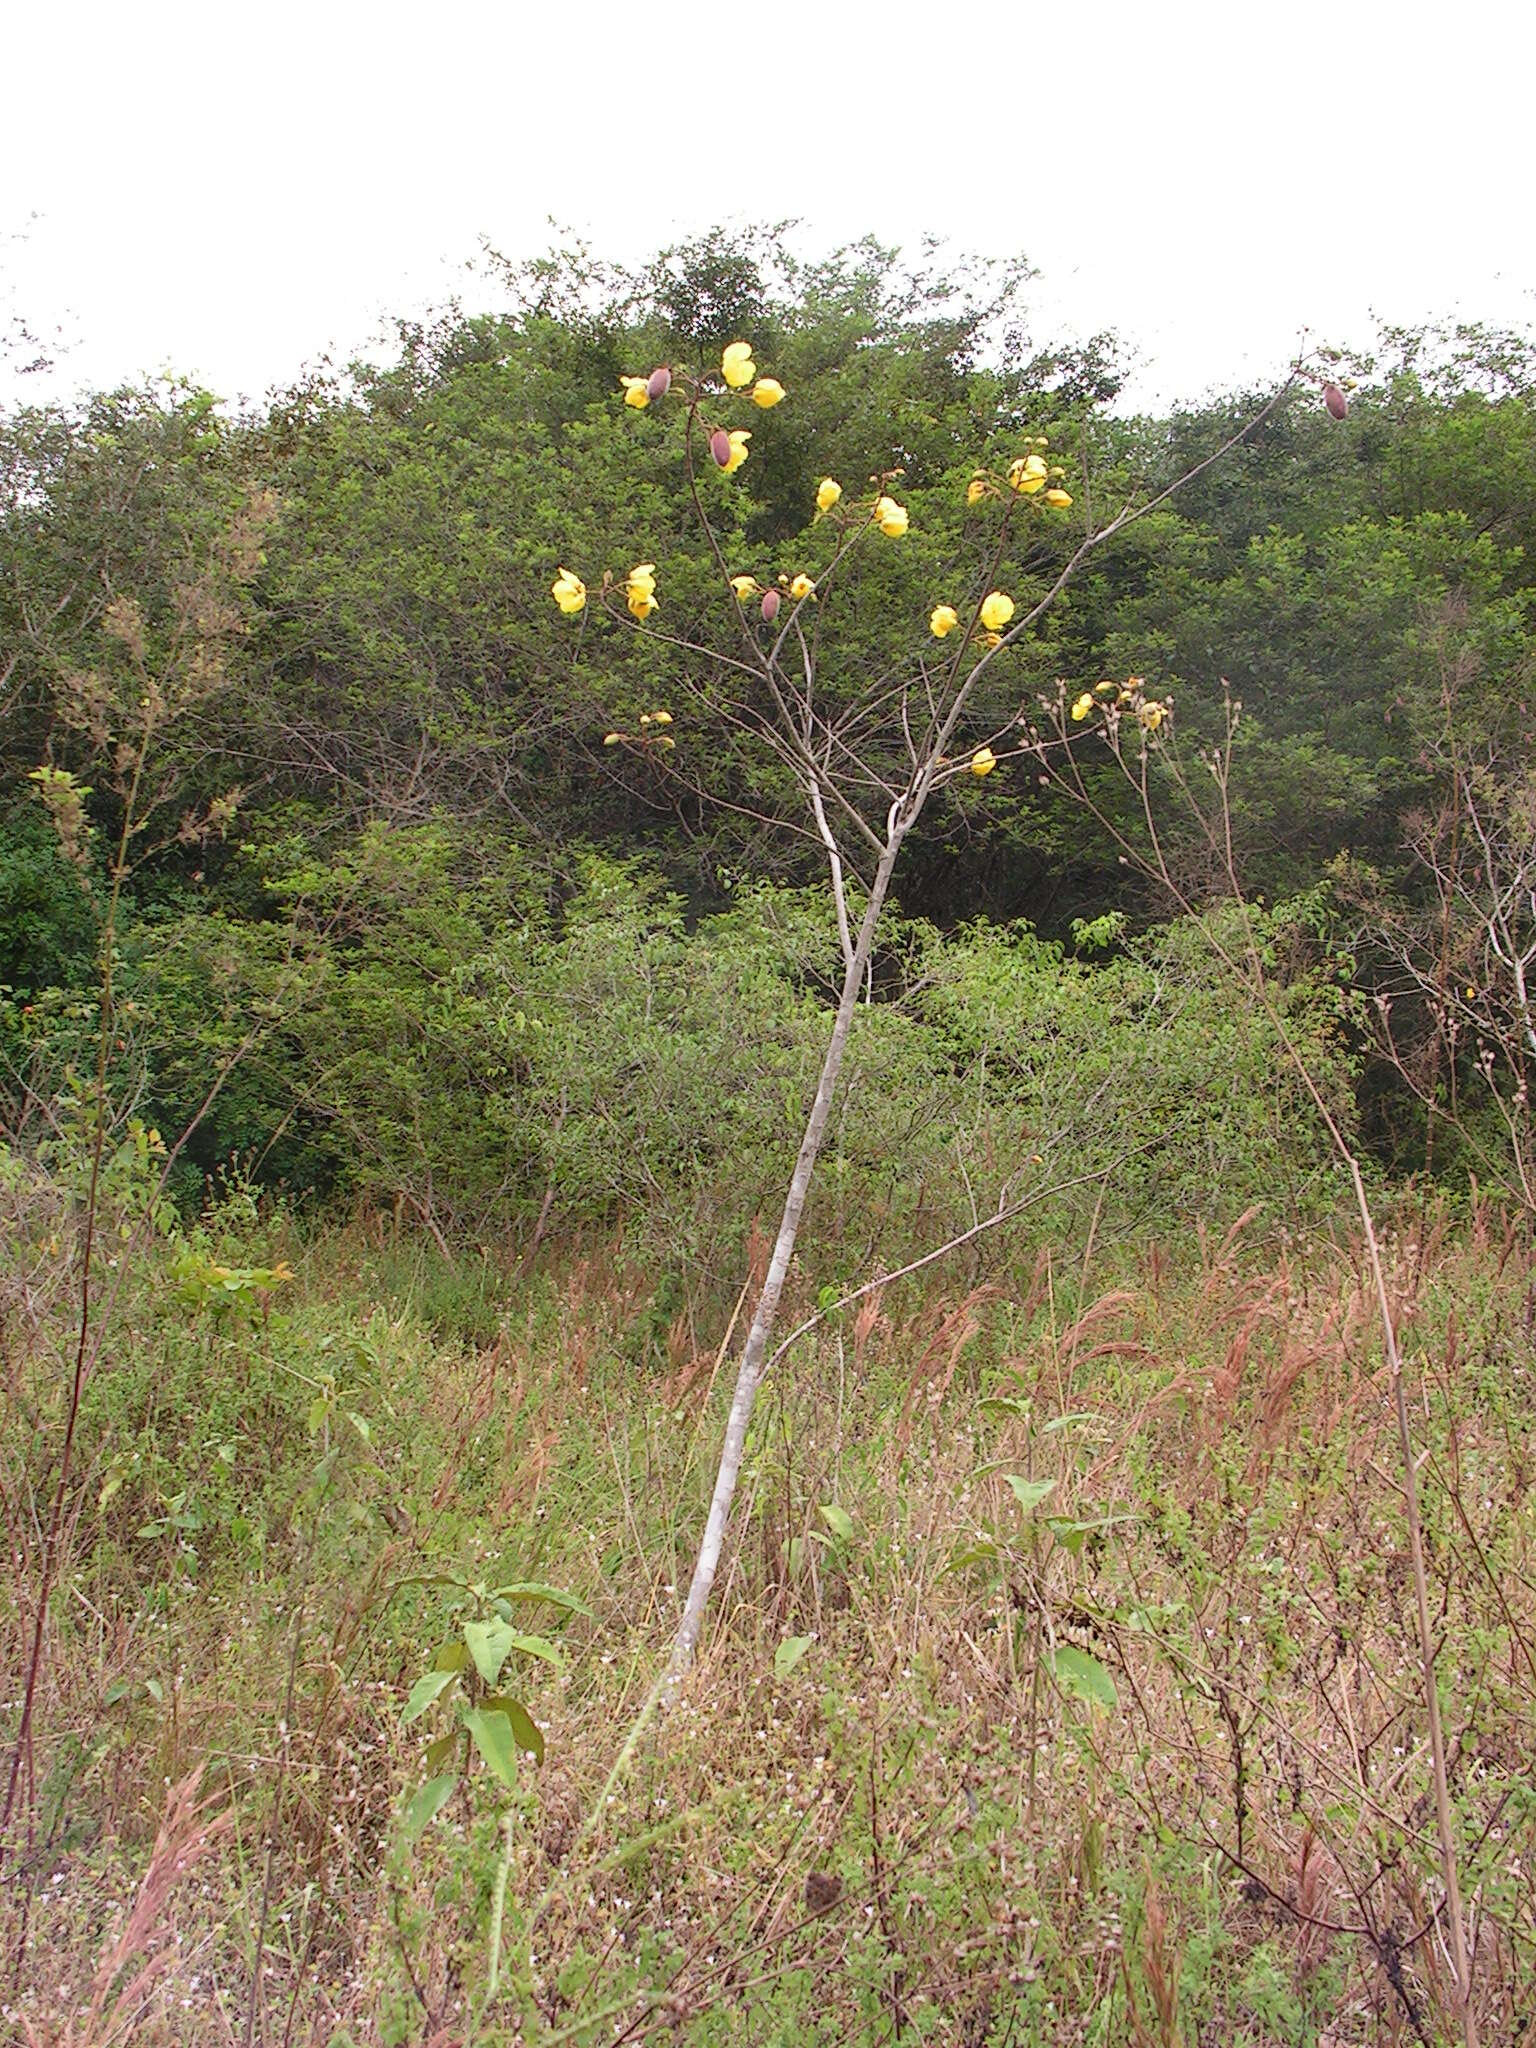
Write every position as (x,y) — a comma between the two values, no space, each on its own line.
(659,383)
(720,446)
(1335,401)
(770,606)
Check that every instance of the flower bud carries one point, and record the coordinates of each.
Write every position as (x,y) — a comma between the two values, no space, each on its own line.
(720,446)
(1335,401)
(659,383)
(770,606)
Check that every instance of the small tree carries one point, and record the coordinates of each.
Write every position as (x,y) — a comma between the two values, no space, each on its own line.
(863,762)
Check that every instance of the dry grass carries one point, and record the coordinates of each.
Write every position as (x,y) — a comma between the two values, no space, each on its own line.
(921,1832)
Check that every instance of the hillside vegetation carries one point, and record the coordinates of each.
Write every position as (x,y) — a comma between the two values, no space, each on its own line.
(415,995)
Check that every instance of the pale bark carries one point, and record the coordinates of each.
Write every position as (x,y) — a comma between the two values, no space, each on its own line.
(755,1350)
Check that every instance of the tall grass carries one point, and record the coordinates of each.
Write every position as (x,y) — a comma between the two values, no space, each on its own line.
(918,1824)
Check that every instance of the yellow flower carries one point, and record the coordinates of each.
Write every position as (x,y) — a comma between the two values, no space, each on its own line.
(766,392)
(1083,706)
(611,739)
(739,438)
(736,364)
(569,592)
(1058,497)
(744,587)
(802,588)
(1152,715)
(1106,688)
(983,761)
(635,392)
(942,619)
(640,589)
(996,610)
(976,490)
(992,640)
(1028,474)
(827,494)
(891,518)
(661,718)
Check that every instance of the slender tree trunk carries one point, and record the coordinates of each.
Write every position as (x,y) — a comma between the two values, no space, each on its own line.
(755,1350)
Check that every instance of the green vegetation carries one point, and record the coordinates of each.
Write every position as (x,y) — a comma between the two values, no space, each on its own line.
(413,996)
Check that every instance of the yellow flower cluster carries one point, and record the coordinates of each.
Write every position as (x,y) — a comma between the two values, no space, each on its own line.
(1027,475)
(1151,713)
(738,369)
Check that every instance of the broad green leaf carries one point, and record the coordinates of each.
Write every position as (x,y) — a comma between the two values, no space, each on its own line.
(839,1521)
(430,1686)
(490,1644)
(1030,1492)
(492,1735)
(530,1736)
(528,1589)
(538,1646)
(789,1653)
(451,1657)
(1084,1677)
(426,1803)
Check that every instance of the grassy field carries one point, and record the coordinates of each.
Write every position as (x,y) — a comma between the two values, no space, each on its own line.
(1061,1684)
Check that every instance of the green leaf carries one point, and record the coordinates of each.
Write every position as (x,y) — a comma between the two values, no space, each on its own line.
(1066,1421)
(492,1735)
(1084,1677)
(839,1521)
(530,1736)
(539,1646)
(438,1753)
(490,1644)
(527,1589)
(430,1686)
(1030,1492)
(1002,1404)
(426,1803)
(789,1653)
(451,1657)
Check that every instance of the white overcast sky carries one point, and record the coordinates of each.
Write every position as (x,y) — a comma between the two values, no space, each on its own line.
(234,191)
